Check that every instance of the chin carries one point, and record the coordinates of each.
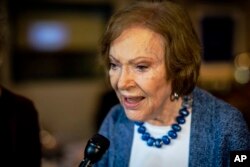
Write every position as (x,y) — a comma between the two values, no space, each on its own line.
(135,117)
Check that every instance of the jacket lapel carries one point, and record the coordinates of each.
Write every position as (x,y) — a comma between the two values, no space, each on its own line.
(123,142)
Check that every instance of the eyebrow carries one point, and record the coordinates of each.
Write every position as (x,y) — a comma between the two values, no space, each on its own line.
(133,60)
(112,57)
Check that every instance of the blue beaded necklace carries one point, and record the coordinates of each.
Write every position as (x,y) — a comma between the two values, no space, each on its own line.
(172,133)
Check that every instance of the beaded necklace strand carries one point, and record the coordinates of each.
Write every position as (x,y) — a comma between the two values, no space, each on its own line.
(172,133)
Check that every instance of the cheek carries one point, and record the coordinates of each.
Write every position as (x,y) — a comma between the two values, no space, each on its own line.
(151,83)
(112,79)
(156,90)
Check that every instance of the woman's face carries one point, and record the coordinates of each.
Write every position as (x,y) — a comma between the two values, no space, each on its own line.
(137,73)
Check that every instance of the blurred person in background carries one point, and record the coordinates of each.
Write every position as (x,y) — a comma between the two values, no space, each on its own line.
(153,58)
(19,123)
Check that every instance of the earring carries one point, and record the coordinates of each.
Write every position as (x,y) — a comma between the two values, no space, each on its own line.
(174,96)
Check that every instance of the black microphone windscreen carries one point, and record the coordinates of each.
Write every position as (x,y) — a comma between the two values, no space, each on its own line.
(100,140)
(96,147)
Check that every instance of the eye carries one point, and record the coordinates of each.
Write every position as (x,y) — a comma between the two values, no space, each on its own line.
(112,66)
(142,68)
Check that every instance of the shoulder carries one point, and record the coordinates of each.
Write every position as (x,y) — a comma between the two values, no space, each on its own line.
(117,111)
(206,100)
(115,117)
(8,95)
(217,111)
(220,117)
(16,102)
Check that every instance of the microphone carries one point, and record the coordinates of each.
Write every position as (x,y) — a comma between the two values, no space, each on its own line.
(94,150)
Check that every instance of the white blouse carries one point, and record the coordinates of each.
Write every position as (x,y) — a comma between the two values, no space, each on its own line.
(175,154)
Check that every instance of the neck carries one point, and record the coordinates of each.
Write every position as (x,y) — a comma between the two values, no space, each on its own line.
(169,114)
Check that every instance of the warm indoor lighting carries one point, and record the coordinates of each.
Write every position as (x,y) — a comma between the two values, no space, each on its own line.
(242,64)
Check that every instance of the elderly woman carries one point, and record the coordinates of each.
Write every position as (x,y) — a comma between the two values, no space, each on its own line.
(163,119)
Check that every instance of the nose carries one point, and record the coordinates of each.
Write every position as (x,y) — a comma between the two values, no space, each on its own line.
(125,80)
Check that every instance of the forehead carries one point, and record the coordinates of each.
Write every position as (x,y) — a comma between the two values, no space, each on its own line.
(139,40)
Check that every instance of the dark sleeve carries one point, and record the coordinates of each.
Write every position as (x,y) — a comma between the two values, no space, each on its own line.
(28,146)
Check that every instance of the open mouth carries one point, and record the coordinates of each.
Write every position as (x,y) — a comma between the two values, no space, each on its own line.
(132,102)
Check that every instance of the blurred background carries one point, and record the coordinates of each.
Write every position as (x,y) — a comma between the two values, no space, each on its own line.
(53,61)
